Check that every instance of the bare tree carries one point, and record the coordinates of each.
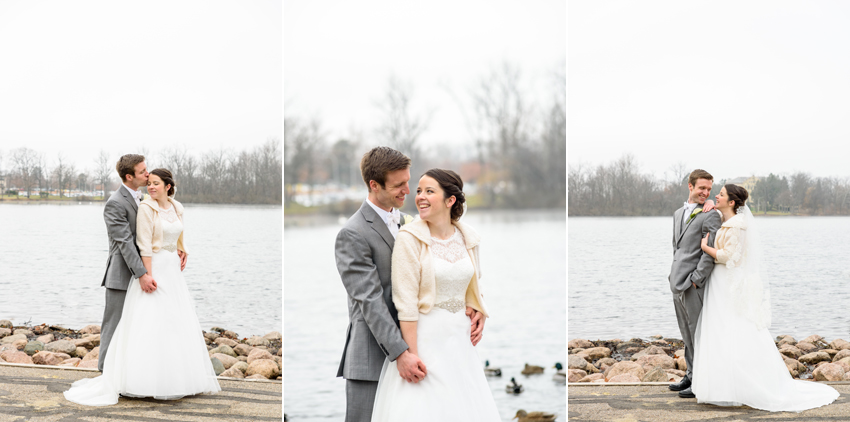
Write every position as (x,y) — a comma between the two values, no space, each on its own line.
(401,128)
(103,169)
(64,174)
(25,161)
(303,146)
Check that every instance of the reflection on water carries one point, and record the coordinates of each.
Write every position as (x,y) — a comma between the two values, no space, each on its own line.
(524,283)
(619,266)
(53,258)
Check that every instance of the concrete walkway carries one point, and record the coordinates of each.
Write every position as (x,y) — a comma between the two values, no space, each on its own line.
(653,402)
(34,393)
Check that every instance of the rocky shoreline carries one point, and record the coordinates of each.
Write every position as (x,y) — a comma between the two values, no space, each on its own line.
(662,359)
(256,357)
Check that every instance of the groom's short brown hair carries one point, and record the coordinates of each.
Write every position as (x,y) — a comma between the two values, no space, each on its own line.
(379,161)
(127,165)
(699,174)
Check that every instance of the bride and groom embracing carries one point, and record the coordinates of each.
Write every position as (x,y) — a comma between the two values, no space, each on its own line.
(721,295)
(147,300)
(415,306)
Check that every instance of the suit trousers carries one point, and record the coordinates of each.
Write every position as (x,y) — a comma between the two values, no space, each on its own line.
(688,306)
(359,400)
(111,317)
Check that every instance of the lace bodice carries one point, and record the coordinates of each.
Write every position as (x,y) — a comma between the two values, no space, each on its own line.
(453,271)
(171,229)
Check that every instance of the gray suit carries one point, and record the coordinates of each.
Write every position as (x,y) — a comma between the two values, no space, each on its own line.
(124,262)
(364,249)
(691,265)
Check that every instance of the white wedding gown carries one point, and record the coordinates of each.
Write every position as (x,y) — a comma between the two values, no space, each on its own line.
(735,359)
(455,388)
(158,349)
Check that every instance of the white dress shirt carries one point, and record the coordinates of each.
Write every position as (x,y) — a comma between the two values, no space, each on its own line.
(136,194)
(689,208)
(391,218)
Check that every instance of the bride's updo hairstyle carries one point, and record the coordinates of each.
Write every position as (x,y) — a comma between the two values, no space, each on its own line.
(737,194)
(452,185)
(168,179)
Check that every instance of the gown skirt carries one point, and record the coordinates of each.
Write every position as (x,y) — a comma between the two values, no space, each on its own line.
(736,363)
(158,349)
(455,388)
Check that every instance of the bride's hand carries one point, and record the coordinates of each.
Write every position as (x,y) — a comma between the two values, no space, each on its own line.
(708,206)
(704,242)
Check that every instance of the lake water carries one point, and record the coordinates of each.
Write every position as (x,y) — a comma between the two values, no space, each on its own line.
(523,278)
(619,266)
(53,257)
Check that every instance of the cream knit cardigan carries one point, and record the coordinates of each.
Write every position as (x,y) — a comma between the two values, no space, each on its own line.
(149,228)
(414,283)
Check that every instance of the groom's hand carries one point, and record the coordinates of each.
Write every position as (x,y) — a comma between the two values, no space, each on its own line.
(477,321)
(410,367)
(148,283)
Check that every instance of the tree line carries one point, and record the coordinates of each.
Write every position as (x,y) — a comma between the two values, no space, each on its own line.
(223,176)
(621,189)
(513,151)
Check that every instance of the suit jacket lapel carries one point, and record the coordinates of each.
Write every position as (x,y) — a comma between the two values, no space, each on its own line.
(128,198)
(377,224)
(690,221)
(678,222)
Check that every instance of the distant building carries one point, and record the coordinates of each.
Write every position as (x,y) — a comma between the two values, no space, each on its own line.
(746,182)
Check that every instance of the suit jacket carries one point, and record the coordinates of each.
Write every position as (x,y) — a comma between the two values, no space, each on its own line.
(690,263)
(124,262)
(364,249)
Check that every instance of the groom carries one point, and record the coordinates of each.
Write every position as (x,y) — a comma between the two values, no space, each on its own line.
(691,266)
(124,261)
(363,253)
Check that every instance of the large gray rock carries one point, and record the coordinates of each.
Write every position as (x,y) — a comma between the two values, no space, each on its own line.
(33,347)
(23,331)
(783,340)
(218,367)
(656,374)
(576,362)
(243,349)
(791,351)
(62,346)
(806,347)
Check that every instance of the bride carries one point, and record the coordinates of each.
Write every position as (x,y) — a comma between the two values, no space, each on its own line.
(435,276)
(163,317)
(736,316)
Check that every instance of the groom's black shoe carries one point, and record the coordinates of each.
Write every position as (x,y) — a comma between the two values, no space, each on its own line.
(687,393)
(684,384)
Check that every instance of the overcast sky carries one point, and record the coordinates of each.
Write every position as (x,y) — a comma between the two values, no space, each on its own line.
(339,55)
(80,76)
(736,88)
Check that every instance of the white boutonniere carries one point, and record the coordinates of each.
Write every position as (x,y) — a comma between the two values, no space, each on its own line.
(694,214)
(145,197)
(408,219)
